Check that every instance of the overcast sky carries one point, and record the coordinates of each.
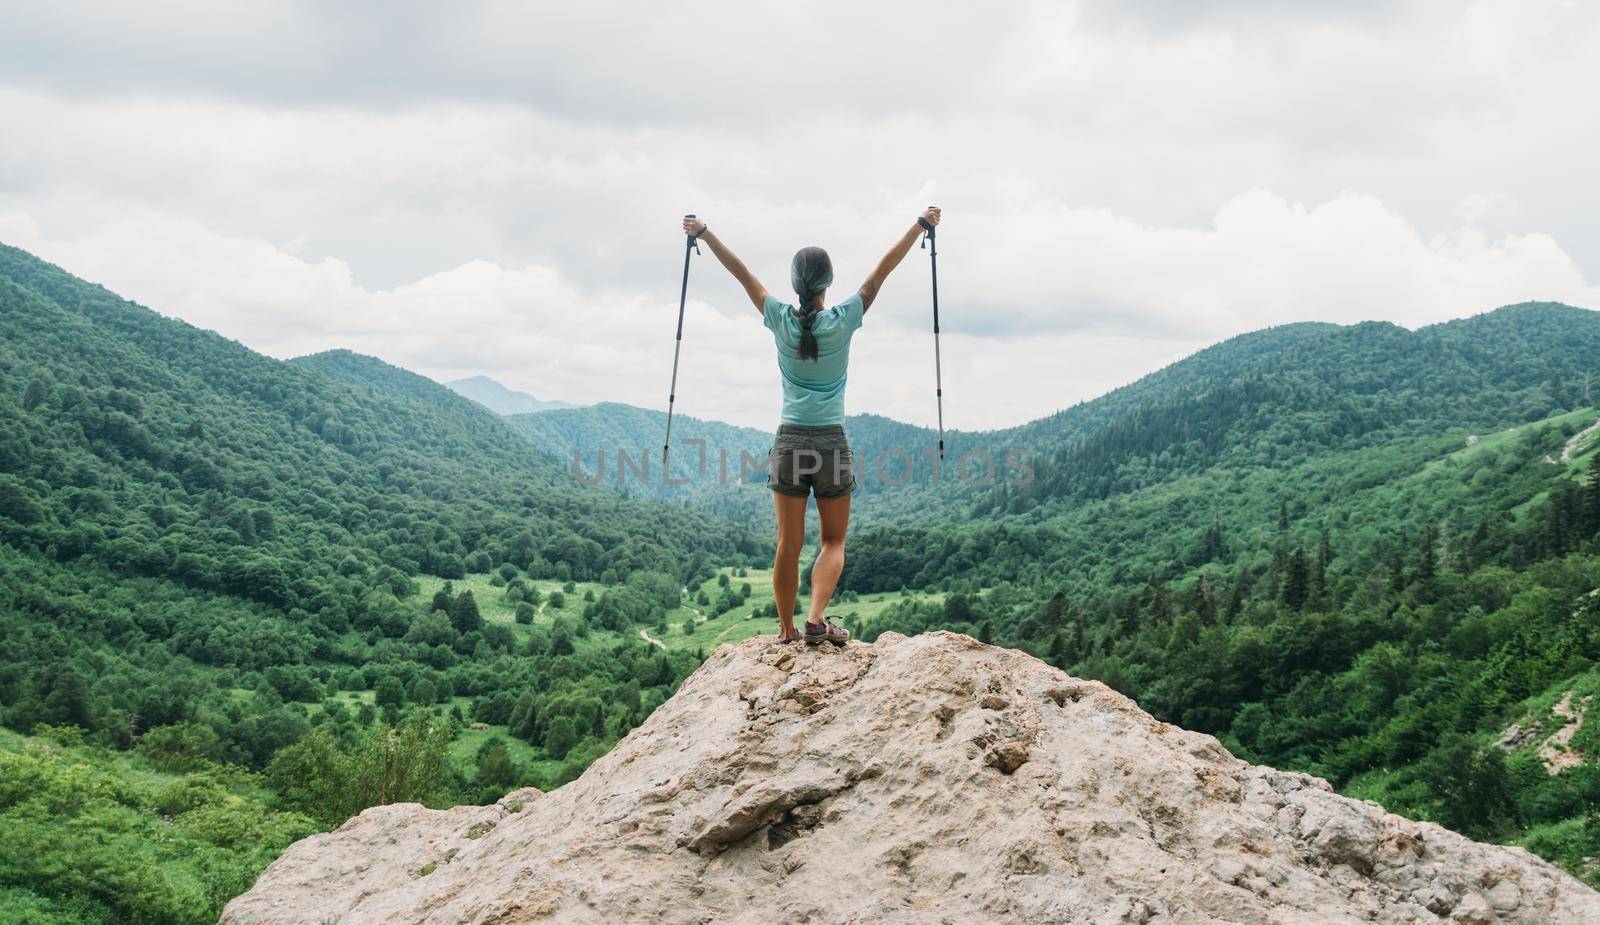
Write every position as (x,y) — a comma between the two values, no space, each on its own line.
(495,188)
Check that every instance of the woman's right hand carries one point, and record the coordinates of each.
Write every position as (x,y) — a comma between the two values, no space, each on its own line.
(931,215)
(693,227)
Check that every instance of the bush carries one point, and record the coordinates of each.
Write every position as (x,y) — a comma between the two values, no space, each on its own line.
(1470,786)
(180,747)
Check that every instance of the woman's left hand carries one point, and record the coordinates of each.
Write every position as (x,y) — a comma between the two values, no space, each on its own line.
(693,227)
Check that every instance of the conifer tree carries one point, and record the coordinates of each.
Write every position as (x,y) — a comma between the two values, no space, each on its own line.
(1160,602)
(1205,604)
(1428,558)
(1296,580)
(1212,546)
(464,615)
(1592,503)
(1319,567)
(34,395)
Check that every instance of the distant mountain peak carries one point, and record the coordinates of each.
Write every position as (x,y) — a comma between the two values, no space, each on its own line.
(500,399)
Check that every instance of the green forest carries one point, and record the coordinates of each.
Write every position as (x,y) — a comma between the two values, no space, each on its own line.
(209,570)
(242,599)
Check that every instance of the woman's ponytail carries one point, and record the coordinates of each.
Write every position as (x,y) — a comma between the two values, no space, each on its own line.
(810,273)
(808,339)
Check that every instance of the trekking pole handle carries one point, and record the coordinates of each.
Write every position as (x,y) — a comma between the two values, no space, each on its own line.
(694,239)
(927,228)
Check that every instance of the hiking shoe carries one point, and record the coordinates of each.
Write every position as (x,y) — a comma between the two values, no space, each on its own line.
(826,631)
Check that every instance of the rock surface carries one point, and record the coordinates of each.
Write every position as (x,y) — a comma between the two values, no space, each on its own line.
(924,780)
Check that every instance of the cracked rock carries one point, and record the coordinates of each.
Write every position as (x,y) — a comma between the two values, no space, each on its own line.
(859,785)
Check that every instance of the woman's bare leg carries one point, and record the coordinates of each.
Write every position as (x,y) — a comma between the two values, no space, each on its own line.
(835,516)
(786,564)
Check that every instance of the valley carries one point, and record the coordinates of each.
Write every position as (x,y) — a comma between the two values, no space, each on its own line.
(235,590)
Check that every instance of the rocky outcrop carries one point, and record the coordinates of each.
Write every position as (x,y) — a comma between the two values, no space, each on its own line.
(924,780)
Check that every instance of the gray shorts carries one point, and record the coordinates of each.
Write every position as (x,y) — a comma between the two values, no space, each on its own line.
(807,459)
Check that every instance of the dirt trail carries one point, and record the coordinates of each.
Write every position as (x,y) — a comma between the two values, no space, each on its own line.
(1573,444)
(645,635)
(1556,751)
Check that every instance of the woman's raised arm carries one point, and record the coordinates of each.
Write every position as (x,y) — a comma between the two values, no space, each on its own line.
(752,286)
(869,289)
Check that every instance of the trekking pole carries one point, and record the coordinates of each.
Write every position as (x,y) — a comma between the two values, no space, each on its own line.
(672,393)
(932,247)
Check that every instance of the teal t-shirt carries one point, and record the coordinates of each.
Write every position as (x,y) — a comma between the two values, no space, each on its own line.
(813,390)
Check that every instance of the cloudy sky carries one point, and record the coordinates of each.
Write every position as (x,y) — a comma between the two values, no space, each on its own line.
(495,187)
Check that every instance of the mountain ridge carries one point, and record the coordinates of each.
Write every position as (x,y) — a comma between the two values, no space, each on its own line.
(1204,364)
(501,399)
(1267,397)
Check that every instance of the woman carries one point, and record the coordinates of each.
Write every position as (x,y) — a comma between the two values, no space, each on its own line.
(811,454)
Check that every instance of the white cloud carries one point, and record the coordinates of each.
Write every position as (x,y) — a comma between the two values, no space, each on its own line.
(495,190)
(1082,300)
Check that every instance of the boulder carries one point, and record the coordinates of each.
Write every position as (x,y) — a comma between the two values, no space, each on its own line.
(930,779)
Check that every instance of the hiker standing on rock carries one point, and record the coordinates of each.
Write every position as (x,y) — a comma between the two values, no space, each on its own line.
(811,454)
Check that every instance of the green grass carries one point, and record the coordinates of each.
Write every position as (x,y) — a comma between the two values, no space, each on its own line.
(1572,843)
(1583,455)
(711,629)
(491,599)
(1505,438)
(355,699)
(1538,711)
(737,625)
(464,752)
(1576,466)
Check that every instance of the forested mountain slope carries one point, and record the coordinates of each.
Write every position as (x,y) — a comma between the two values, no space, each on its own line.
(1341,549)
(1380,615)
(620,446)
(610,429)
(1286,395)
(208,556)
(212,459)
(894,461)
(1270,399)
